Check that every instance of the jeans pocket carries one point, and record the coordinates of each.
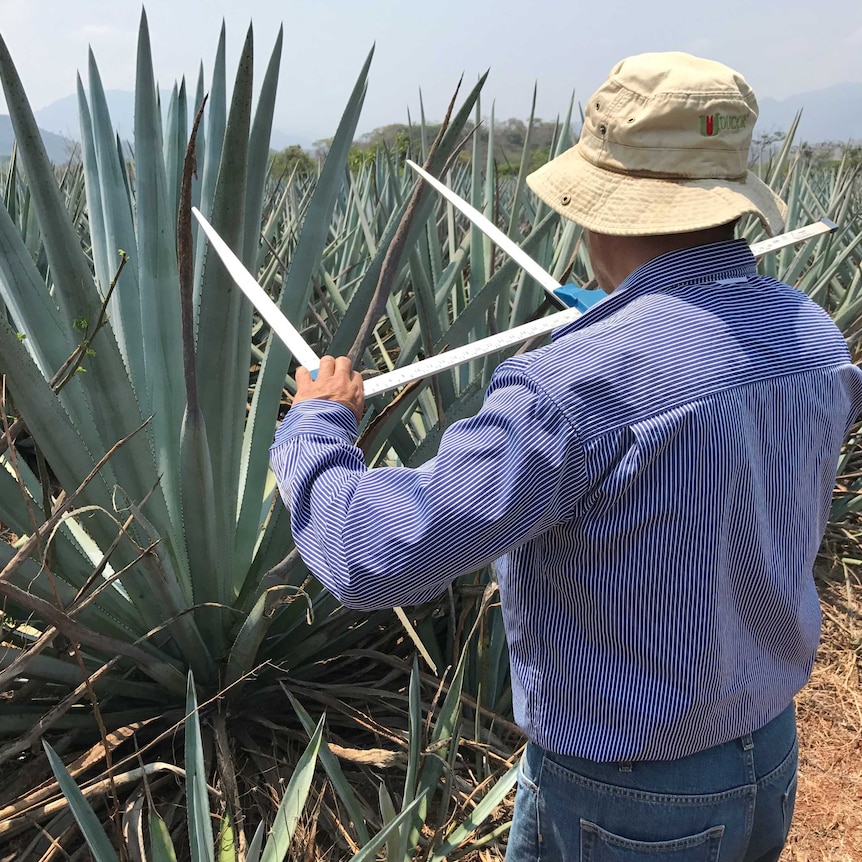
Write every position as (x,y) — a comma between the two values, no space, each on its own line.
(599,845)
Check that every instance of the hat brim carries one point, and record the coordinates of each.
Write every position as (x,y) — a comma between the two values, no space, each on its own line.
(622,204)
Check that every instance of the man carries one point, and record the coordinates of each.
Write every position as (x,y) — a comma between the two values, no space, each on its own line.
(654,485)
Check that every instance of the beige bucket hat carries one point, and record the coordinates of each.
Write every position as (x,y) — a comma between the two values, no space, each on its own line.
(664,149)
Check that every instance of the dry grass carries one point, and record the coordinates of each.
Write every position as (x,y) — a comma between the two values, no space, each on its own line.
(827,824)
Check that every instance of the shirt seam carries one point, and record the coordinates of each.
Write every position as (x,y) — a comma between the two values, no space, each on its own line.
(668,408)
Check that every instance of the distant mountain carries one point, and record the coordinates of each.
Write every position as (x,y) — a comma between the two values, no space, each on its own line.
(61,117)
(59,149)
(831,114)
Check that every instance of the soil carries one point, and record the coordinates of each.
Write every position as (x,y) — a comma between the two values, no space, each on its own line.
(827,823)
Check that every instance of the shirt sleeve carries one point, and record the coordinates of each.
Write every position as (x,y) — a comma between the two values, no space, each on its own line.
(394,536)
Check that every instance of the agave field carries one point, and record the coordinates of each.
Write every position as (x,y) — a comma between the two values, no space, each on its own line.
(173,682)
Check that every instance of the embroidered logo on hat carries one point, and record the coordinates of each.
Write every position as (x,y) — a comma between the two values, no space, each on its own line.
(712,124)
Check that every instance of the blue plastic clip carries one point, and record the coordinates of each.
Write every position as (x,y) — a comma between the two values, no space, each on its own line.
(579,297)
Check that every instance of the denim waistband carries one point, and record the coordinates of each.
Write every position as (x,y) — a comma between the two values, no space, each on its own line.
(730,763)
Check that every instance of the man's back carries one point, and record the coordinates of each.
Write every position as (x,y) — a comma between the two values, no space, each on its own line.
(710,404)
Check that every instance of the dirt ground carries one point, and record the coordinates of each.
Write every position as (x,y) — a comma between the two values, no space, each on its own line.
(827,823)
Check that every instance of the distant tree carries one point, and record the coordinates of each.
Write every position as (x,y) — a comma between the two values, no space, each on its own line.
(511,133)
(538,158)
(359,157)
(289,159)
(402,141)
(764,146)
(321,149)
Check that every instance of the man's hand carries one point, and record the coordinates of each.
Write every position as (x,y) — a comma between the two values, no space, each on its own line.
(336,381)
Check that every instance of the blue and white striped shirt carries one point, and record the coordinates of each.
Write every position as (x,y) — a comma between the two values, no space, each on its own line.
(654,485)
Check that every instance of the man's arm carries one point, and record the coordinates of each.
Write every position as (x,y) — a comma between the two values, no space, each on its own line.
(397,536)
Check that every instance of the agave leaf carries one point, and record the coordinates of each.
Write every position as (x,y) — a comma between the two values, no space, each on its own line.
(94,834)
(252,632)
(200,827)
(336,775)
(57,670)
(161,596)
(850,309)
(212,141)
(256,844)
(45,416)
(369,851)
(429,323)
(108,614)
(388,814)
(293,801)
(118,233)
(176,135)
(274,550)
(443,736)
(293,300)
(95,211)
(478,264)
(161,846)
(496,675)
(223,347)
(201,138)
(477,816)
(201,527)
(159,296)
(521,184)
(10,192)
(28,302)
(414,701)
(777,166)
(819,291)
(258,156)
(274,547)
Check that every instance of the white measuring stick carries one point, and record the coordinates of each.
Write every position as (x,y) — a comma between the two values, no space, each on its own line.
(304,354)
(800,234)
(451,358)
(545,279)
(269,311)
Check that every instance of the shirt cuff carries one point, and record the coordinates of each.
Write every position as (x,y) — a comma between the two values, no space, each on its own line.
(320,418)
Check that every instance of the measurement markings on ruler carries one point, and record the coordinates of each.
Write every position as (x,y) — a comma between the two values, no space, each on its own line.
(451,358)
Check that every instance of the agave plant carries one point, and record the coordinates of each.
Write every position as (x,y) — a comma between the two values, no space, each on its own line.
(144,539)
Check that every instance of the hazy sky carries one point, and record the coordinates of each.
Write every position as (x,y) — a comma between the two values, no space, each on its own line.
(781,46)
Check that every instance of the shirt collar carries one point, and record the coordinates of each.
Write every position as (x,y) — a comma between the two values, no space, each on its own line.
(703,264)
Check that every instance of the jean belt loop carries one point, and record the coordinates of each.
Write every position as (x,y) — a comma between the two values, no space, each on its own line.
(747,742)
(625,766)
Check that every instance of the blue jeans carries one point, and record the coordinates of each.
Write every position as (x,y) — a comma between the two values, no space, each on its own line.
(731,803)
